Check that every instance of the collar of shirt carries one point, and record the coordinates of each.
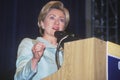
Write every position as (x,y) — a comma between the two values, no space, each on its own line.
(47,43)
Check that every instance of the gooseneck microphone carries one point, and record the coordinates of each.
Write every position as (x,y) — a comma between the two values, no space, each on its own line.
(62,37)
(61,34)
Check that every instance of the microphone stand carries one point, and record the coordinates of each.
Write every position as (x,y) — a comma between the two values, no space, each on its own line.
(57,52)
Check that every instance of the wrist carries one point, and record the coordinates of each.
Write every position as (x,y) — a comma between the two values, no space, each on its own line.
(34,63)
(34,60)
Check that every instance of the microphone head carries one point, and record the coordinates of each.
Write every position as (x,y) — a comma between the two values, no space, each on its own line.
(60,34)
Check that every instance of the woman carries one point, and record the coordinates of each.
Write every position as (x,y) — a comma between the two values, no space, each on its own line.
(36,58)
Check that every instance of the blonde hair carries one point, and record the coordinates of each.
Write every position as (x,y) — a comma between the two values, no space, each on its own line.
(52,5)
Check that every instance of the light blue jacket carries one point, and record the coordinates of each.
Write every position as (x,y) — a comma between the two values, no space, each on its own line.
(46,65)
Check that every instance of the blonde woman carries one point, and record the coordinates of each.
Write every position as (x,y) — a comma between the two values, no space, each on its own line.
(36,57)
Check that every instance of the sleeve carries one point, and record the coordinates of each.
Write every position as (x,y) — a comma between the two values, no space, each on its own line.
(23,64)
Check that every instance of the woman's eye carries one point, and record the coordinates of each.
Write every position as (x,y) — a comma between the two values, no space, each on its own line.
(51,17)
(62,20)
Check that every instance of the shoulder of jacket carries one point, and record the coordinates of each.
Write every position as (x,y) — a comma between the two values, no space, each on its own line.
(27,40)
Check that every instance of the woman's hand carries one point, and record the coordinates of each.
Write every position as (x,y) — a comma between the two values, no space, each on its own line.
(38,50)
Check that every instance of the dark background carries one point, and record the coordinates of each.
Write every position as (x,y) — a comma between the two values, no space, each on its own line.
(18,19)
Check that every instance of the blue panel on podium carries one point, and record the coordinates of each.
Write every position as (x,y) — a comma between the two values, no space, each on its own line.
(113,68)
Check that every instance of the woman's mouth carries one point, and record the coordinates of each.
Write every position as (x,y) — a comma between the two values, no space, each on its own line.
(56,28)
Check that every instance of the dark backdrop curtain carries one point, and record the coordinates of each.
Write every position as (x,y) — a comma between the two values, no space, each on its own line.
(18,19)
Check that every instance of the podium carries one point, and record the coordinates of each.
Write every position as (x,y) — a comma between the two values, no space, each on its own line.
(86,59)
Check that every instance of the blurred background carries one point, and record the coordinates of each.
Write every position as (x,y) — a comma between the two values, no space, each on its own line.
(18,19)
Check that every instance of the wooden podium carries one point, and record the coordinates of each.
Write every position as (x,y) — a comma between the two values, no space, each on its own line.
(85,60)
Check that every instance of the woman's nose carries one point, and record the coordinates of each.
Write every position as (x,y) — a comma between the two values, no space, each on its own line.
(57,22)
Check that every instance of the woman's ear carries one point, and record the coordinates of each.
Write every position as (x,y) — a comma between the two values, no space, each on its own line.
(41,24)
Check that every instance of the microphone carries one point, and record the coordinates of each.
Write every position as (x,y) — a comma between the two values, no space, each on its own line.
(62,37)
(59,34)
(69,36)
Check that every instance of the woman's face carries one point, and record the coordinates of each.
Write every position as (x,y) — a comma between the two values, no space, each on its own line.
(54,21)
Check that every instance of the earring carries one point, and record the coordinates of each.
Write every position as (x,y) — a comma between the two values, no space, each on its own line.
(43,27)
(38,24)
